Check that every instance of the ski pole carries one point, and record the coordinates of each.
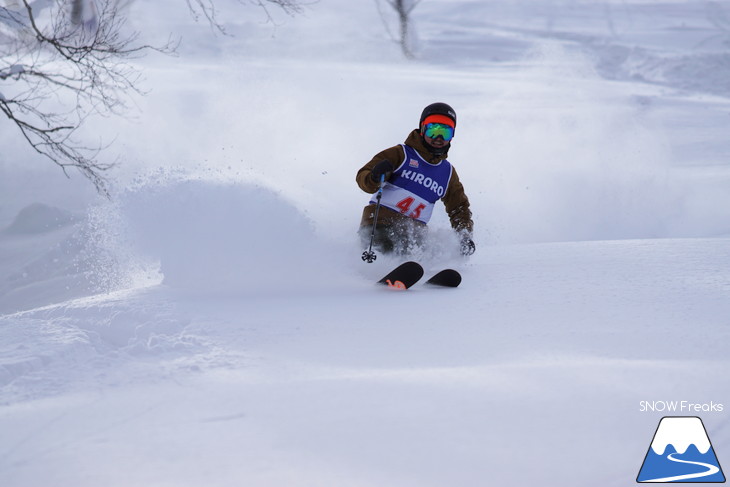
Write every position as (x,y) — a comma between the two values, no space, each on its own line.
(369,255)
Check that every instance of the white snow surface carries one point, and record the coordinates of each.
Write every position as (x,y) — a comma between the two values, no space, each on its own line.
(213,324)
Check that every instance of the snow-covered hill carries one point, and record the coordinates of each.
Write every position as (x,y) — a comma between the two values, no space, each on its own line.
(213,323)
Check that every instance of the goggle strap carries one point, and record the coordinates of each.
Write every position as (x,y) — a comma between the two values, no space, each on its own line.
(437,119)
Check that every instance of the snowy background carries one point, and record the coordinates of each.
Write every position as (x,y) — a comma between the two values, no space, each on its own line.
(213,324)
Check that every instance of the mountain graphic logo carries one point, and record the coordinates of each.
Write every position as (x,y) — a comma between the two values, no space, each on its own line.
(681,452)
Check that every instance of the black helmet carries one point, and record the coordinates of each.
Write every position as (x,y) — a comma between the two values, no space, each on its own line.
(438,109)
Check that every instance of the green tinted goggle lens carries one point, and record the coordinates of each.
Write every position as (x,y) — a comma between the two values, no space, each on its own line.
(434,130)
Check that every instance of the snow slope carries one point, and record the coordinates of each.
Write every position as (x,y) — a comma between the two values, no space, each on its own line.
(213,323)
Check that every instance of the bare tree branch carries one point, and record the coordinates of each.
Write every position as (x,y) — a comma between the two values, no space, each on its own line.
(65,70)
(206,9)
(403,10)
(62,61)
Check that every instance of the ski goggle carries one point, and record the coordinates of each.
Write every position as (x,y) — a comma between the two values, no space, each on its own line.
(434,130)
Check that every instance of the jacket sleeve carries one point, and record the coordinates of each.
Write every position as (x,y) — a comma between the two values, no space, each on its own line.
(394,155)
(457,205)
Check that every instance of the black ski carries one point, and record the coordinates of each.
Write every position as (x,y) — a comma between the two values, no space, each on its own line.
(403,276)
(445,278)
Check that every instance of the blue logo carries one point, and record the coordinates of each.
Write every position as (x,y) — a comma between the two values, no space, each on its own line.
(681,452)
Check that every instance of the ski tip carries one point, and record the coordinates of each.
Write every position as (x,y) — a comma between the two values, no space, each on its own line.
(446,278)
(404,276)
(411,265)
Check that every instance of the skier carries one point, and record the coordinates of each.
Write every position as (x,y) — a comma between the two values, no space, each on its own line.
(416,174)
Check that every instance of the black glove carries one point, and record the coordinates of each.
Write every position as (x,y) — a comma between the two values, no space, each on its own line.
(383,168)
(467,245)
